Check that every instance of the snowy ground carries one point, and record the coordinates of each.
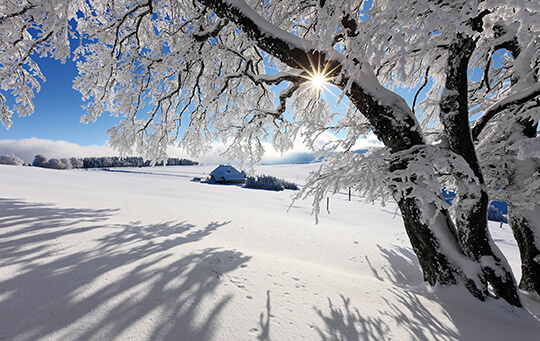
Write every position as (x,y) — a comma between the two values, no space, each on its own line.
(146,254)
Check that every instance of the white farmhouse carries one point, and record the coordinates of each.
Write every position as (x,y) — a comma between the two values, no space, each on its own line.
(226,174)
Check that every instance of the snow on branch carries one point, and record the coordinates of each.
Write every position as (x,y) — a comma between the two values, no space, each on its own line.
(281,44)
(375,176)
(520,98)
(366,173)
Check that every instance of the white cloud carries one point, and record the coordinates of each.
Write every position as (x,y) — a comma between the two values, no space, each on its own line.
(369,142)
(26,149)
(300,153)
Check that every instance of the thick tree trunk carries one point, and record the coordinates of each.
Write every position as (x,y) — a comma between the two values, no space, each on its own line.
(436,266)
(526,230)
(434,258)
(432,252)
(525,224)
(520,192)
(472,197)
(436,244)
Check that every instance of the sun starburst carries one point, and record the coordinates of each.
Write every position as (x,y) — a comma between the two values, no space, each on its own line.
(319,76)
(318,80)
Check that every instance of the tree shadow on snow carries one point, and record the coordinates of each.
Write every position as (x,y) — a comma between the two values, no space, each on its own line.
(403,267)
(347,323)
(264,322)
(101,289)
(25,228)
(418,312)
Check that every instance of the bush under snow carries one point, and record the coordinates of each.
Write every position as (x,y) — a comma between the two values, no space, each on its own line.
(11,160)
(269,183)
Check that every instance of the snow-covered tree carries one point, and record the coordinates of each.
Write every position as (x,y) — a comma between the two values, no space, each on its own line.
(213,65)
(464,37)
(11,160)
(58,164)
(516,180)
(507,138)
(39,161)
(76,162)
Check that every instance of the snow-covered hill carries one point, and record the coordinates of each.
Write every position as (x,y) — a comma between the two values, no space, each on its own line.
(146,254)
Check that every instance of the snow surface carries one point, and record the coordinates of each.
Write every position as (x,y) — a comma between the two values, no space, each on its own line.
(146,254)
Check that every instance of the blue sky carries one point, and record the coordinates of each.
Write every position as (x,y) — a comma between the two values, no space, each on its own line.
(54,129)
(58,111)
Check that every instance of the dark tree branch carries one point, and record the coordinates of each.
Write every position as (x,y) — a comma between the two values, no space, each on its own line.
(16,14)
(511,44)
(280,47)
(507,103)
(426,79)
(212,33)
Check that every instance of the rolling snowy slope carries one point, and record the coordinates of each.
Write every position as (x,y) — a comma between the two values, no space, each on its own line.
(146,254)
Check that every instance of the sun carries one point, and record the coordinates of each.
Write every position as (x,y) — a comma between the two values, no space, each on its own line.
(319,75)
(318,81)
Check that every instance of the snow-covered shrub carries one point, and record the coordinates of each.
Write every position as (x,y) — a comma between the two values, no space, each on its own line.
(39,161)
(58,164)
(65,162)
(269,183)
(290,185)
(494,214)
(11,160)
(76,162)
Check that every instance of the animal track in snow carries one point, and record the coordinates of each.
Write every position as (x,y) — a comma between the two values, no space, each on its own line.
(238,282)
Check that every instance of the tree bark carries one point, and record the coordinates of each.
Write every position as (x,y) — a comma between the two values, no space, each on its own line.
(472,198)
(436,265)
(525,225)
(525,229)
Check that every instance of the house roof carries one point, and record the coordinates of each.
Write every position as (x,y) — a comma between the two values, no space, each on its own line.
(226,173)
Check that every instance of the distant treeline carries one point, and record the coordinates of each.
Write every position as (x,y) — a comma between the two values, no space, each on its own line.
(93,162)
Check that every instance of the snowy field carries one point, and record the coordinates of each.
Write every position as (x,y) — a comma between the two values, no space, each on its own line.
(146,254)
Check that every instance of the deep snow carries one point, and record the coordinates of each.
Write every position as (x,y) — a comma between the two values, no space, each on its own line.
(146,254)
